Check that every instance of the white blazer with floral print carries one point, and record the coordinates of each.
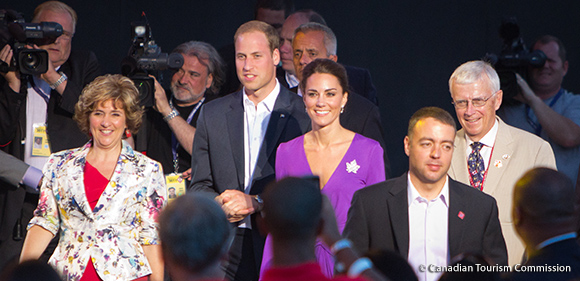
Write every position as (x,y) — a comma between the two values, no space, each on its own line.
(124,218)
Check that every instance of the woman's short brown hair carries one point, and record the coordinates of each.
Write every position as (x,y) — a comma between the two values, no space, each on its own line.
(114,87)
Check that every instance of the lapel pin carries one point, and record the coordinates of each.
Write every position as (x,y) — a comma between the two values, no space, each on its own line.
(282,115)
(498,163)
(505,157)
(461,215)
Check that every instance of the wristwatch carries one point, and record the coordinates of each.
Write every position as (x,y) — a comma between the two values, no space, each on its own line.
(260,202)
(174,113)
(60,80)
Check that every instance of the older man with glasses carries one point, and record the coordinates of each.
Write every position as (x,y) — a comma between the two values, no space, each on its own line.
(490,155)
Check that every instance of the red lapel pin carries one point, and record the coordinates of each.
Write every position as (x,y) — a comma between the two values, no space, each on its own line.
(461,215)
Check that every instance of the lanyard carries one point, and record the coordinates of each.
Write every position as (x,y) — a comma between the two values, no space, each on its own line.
(39,91)
(174,142)
(538,127)
(486,169)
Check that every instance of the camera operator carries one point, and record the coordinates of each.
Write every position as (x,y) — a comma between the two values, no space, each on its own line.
(171,126)
(39,106)
(548,110)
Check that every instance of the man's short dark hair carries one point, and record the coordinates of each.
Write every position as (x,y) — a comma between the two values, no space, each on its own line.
(430,112)
(276,5)
(545,196)
(207,56)
(545,39)
(292,208)
(194,232)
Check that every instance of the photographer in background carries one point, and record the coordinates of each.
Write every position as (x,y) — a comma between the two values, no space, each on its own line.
(548,110)
(171,126)
(39,106)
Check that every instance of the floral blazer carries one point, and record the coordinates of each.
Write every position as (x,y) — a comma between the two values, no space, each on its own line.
(124,218)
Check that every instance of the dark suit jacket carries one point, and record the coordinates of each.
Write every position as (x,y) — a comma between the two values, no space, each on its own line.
(359,80)
(218,148)
(563,253)
(378,219)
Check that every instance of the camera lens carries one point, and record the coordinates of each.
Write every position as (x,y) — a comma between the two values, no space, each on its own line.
(30,60)
(33,61)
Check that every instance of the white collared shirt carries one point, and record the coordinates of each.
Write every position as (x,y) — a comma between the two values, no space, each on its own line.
(428,230)
(36,109)
(488,141)
(292,80)
(256,118)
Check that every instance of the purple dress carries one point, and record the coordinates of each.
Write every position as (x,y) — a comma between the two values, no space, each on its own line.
(362,165)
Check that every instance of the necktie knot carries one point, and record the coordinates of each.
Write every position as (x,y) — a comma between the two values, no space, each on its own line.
(476,146)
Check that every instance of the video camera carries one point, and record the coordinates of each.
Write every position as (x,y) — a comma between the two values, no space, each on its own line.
(145,58)
(514,58)
(17,33)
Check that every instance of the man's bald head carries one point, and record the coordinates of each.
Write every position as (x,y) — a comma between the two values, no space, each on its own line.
(545,197)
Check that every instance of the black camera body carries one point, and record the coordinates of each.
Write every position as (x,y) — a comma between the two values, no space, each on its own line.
(17,33)
(514,58)
(145,58)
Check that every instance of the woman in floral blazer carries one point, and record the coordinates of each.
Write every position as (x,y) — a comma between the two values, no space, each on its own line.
(108,231)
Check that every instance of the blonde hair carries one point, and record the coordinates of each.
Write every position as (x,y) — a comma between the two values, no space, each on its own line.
(121,90)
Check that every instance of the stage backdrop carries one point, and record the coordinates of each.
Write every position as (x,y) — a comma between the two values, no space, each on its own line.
(410,47)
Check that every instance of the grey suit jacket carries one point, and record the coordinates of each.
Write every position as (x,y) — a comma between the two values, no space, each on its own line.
(514,153)
(379,219)
(11,169)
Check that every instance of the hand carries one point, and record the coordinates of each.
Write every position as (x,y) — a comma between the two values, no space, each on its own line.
(236,204)
(186,174)
(329,233)
(161,102)
(526,95)
(12,77)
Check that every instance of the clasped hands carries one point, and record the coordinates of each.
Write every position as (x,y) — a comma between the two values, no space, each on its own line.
(236,204)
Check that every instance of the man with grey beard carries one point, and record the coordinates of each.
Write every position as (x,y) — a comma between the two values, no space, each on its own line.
(171,126)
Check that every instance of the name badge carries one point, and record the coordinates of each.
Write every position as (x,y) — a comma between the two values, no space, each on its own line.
(175,186)
(40,146)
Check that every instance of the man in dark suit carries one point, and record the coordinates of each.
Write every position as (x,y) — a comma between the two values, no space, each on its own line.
(312,41)
(39,106)
(424,215)
(359,79)
(544,217)
(234,148)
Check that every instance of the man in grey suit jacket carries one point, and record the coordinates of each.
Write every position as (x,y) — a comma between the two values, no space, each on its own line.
(234,148)
(505,152)
(424,215)
(14,170)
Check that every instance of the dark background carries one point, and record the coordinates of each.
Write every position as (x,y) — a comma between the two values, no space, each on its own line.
(410,47)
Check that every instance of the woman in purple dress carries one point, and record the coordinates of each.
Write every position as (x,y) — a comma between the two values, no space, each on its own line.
(343,160)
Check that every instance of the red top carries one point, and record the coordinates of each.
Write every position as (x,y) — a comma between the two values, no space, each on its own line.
(306,271)
(95,184)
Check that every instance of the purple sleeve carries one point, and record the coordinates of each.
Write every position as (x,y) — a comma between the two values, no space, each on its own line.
(376,172)
(281,161)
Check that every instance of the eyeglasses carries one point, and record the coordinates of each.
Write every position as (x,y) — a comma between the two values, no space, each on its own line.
(477,102)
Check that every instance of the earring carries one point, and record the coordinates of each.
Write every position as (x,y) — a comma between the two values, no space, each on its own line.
(342,109)
(127,133)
